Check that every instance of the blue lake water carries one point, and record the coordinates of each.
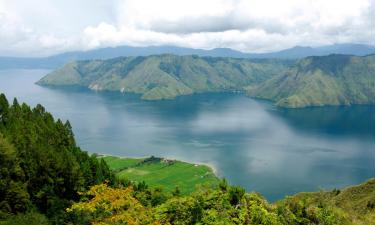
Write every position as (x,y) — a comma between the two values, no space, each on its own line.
(252,143)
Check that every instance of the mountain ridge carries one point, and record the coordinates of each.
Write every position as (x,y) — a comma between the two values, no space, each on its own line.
(335,79)
(296,52)
(320,81)
(165,76)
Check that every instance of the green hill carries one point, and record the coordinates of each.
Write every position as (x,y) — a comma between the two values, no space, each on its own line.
(166,76)
(312,81)
(354,205)
(319,81)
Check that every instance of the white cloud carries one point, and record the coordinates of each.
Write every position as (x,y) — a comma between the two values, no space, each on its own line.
(41,27)
(248,25)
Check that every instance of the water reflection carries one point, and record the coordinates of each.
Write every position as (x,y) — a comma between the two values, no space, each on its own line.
(252,143)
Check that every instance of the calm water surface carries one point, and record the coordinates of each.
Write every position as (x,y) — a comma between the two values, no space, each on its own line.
(252,143)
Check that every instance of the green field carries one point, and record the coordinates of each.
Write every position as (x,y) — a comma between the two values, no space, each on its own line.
(158,172)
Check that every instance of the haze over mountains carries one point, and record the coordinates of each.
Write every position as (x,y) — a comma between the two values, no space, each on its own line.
(297,52)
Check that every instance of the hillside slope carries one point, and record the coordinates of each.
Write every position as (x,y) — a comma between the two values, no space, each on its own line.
(228,205)
(319,81)
(166,76)
(356,203)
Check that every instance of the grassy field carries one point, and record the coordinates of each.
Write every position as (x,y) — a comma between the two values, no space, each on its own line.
(158,172)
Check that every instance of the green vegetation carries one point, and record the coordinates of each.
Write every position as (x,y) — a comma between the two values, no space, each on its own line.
(166,76)
(46,179)
(319,81)
(356,204)
(226,205)
(168,174)
(117,164)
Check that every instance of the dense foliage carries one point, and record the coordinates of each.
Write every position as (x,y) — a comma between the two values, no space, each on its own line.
(41,167)
(166,76)
(319,81)
(224,205)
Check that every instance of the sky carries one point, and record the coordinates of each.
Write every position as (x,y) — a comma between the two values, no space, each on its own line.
(45,27)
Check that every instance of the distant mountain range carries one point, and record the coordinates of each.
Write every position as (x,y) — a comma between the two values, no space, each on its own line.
(302,52)
(55,61)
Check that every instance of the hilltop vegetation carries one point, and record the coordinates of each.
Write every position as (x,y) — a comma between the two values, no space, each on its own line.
(158,172)
(355,204)
(166,76)
(319,81)
(228,205)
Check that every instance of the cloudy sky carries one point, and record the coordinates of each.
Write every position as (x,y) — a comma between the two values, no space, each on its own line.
(43,27)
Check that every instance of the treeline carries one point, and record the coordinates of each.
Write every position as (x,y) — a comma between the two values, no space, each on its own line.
(41,167)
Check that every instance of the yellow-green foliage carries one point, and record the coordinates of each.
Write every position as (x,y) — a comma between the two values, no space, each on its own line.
(226,205)
(106,205)
(112,206)
(354,205)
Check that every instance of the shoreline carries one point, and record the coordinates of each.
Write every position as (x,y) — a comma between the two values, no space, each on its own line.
(210,166)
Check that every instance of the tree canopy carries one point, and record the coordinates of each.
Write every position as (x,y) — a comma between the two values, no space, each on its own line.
(41,166)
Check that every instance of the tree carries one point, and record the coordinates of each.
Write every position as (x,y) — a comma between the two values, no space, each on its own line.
(41,163)
(235,194)
(4,107)
(112,206)
(223,185)
(176,192)
(13,193)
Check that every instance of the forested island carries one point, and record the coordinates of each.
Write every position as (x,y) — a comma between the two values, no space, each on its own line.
(47,179)
(311,81)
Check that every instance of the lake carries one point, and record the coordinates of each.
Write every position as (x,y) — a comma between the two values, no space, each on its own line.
(251,143)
